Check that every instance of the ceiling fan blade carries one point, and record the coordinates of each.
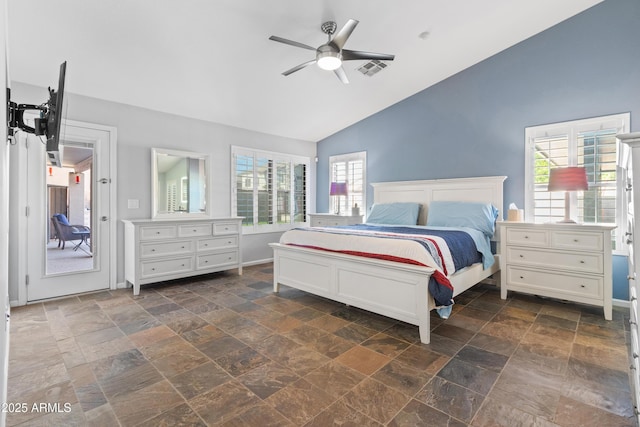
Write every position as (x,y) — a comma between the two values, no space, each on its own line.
(291,42)
(341,38)
(341,75)
(298,67)
(349,55)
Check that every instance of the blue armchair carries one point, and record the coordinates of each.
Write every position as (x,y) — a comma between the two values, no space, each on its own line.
(66,231)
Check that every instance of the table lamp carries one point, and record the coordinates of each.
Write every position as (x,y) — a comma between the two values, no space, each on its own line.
(338,189)
(571,178)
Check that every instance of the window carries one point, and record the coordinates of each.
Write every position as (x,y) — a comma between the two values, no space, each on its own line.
(269,189)
(352,169)
(590,143)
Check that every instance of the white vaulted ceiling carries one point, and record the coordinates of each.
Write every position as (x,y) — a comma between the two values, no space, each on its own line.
(213,60)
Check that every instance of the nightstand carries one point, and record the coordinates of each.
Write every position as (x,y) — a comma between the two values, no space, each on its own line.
(325,219)
(565,261)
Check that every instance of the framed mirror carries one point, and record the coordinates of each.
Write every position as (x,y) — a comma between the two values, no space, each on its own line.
(180,184)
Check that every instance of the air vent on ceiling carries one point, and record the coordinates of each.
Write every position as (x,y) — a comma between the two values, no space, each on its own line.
(372,67)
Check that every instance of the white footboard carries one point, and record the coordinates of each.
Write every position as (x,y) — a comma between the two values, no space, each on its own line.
(392,289)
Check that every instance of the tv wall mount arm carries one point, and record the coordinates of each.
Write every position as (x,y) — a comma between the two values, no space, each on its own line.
(15,117)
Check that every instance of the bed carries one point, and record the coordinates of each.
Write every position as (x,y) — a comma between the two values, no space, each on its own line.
(394,289)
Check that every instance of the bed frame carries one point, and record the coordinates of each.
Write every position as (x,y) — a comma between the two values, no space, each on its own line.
(392,289)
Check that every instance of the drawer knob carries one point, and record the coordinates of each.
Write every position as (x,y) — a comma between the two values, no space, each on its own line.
(629,241)
(153,269)
(522,277)
(153,250)
(583,286)
(206,244)
(206,261)
(157,232)
(581,261)
(526,237)
(631,278)
(521,256)
(635,355)
(575,240)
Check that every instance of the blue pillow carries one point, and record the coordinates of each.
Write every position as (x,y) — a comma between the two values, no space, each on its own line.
(62,219)
(481,216)
(394,213)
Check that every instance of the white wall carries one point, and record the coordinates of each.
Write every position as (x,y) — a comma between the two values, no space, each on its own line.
(4,218)
(140,129)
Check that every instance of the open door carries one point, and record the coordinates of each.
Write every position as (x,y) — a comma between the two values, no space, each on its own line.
(68,235)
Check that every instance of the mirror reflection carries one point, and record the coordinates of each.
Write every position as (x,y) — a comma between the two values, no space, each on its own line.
(180,183)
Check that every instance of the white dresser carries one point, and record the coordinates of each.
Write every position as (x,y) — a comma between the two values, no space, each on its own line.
(326,219)
(630,156)
(565,261)
(157,250)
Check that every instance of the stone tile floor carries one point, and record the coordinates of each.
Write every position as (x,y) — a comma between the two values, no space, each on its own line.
(224,350)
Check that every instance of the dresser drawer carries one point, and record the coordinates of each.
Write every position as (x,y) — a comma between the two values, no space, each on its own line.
(582,261)
(194,230)
(577,241)
(527,237)
(230,241)
(166,266)
(633,302)
(226,228)
(151,232)
(326,222)
(217,259)
(154,249)
(547,282)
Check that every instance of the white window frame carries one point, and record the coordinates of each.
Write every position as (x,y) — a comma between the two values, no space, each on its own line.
(621,122)
(276,157)
(346,158)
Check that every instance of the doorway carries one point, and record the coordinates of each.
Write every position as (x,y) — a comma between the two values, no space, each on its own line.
(69,237)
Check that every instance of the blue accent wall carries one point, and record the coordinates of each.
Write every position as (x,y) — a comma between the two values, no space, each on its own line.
(472,124)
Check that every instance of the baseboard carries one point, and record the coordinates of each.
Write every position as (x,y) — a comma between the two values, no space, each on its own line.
(258,262)
(621,303)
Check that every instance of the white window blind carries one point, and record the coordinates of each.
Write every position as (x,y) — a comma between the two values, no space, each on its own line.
(269,189)
(589,143)
(350,168)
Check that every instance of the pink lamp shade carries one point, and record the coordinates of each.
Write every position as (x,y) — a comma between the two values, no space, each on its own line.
(572,178)
(338,189)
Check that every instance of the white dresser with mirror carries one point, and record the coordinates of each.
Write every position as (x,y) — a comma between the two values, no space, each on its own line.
(181,238)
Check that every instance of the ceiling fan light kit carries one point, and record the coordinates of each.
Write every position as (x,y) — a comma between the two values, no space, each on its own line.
(330,55)
(328,59)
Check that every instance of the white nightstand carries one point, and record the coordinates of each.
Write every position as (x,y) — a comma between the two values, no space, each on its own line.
(565,261)
(325,219)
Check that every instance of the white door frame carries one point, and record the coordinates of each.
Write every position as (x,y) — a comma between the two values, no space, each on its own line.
(19,209)
(4,216)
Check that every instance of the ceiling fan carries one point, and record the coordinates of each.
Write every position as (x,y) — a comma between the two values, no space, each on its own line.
(330,55)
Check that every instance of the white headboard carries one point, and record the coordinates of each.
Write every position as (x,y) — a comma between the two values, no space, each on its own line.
(487,189)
